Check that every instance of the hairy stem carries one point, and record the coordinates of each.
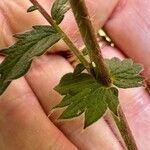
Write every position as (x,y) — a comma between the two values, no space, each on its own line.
(87,32)
(125,131)
(66,39)
(90,40)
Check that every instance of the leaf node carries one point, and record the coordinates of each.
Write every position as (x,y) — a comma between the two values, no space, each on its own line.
(83,94)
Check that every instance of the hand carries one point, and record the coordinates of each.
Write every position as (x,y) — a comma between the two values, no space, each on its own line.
(24,106)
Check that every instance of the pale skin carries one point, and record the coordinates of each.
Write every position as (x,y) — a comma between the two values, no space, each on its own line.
(24,106)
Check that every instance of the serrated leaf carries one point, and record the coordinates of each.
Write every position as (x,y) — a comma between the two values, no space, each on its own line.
(96,106)
(32,8)
(112,100)
(20,55)
(59,8)
(125,73)
(83,94)
(71,84)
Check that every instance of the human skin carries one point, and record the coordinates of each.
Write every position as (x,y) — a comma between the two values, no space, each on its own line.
(24,106)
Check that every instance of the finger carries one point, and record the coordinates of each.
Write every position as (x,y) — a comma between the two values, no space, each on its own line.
(18,28)
(129,29)
(136,106)
(23,123)
(5,31)
(20,20)
(43,76)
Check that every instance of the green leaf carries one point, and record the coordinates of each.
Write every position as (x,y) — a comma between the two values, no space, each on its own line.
(32,8)
(112,99)
(59,8)
(20,55)
(79,68)
(83,94)
(125,74)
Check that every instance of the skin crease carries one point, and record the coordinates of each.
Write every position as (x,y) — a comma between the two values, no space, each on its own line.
(22,115)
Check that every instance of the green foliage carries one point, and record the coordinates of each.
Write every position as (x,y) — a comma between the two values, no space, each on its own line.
(83,94)
(125,74)
(20,55)
(59,8)
(79,69)
(32,8)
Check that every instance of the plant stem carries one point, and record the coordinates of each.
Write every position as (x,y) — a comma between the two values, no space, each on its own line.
(66,39)
(125,131)
(87,32)
(90,40)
